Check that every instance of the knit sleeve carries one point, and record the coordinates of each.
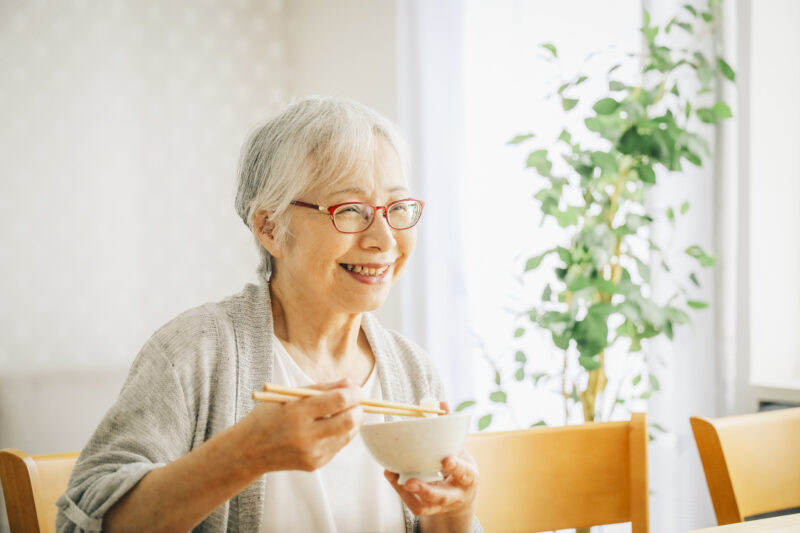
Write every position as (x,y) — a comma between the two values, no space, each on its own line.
(149,426)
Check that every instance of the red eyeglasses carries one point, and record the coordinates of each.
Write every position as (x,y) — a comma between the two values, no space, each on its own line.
(355,217)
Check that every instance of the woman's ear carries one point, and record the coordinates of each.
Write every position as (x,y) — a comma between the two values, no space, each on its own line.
(264,228)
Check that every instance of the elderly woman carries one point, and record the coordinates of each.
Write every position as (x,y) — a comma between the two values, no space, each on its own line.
(323,188)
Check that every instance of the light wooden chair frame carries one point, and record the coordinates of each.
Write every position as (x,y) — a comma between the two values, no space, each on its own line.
(31,486)
(549,478)
(751,462)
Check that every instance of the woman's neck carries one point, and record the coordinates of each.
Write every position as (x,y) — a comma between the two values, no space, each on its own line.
(319,333)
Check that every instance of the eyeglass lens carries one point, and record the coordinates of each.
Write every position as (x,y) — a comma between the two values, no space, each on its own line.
(352,218)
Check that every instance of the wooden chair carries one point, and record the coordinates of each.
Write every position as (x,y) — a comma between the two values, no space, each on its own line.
(31,486)
(751,462)
(543,479)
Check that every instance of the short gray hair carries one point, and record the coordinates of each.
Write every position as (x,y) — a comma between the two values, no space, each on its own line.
(309,146)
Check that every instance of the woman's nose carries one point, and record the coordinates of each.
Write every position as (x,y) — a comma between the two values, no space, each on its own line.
(380,234)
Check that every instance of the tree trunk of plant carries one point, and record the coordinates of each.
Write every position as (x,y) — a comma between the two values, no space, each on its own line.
(597,384)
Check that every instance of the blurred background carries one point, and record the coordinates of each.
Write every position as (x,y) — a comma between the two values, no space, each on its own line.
(121,123)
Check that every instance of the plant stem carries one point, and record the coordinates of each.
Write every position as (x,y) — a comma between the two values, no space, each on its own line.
(597,378)
(564,389)
(597,383)
(568,300)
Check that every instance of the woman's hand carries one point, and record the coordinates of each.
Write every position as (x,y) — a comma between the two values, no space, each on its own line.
(446,505)
(304,434)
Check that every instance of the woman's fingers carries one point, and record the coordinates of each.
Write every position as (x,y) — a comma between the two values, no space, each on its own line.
(331,402)
(456,491)
(461,469)
(444,406)
(417,506)
(344,424)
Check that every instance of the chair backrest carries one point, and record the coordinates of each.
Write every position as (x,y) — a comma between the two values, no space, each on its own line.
(31,486)
(751,462)
(543,479)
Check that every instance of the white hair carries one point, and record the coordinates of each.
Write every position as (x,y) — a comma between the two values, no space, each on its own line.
(308,147)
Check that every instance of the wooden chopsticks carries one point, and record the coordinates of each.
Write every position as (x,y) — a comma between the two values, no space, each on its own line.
(280,394)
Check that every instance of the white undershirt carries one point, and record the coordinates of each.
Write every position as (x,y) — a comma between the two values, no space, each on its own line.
(347,495)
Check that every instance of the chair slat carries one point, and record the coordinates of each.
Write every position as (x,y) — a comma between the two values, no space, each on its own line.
(31,486)
(544,479)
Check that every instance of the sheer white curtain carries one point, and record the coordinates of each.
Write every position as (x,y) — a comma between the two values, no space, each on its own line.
(699,369)
(430,111)
(473,79)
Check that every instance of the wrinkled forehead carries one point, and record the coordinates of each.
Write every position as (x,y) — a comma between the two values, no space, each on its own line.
(340,161)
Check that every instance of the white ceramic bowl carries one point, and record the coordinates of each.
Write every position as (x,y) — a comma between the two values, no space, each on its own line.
(415,448)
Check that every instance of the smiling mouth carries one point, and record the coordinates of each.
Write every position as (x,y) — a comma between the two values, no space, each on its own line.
(364,271)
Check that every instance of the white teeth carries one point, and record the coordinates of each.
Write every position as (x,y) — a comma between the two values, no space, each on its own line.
(358,269)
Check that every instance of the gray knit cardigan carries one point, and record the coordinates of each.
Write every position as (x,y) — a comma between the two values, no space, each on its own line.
(194,378)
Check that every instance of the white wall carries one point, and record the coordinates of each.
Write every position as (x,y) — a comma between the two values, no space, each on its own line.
(774,138)
(344,48)
(347,48)
(122,124)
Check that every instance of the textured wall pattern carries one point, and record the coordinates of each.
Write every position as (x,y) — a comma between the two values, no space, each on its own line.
(121,128)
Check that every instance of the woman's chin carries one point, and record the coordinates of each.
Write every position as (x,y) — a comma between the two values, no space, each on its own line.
(369,302)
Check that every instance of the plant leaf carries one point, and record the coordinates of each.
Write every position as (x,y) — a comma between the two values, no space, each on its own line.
(684,207)
(551,47)
(706,115)
(498,397)
(646,174)
(484,421)
(539,423)
(589,362)
(615,85)
(497,378)
(519,332)
(605,106)
(568,103)
(519,375)
(726,69)
(520,357)
(695,304)
(607,162)
(534,262)
(547,294)
(538,376)
(654,384)
(464,405)
(706,260)
(538,160)
(521,138)
(721,110)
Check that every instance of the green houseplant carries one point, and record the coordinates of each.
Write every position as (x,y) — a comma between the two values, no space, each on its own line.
(601,296)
